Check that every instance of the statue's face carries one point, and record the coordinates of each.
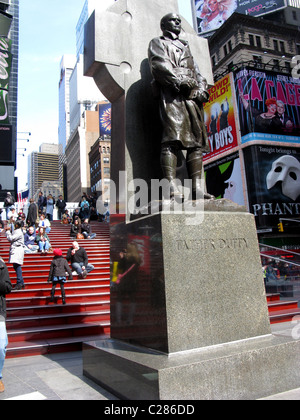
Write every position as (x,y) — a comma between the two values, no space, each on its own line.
(172,23)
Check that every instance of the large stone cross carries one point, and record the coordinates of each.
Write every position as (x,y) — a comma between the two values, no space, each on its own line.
(116,56)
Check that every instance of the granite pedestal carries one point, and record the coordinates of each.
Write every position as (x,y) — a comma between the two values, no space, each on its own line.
(193,323)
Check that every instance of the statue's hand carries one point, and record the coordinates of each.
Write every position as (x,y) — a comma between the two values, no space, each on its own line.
(188,84)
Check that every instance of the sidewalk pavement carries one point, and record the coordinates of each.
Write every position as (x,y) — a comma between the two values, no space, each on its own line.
(60,377)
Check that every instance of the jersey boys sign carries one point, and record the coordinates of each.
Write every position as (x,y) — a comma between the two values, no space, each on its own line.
(220,118)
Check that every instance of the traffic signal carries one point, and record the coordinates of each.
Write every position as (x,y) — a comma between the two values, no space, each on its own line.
(280,227)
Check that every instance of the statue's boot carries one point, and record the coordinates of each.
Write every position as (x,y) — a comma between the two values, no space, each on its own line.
(168,160)
(194,167)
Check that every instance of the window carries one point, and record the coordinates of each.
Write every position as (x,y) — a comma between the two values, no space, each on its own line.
(276,65)
(230,66)
(258,41)
(225,50)
(282,47)
(275,44)
(251,40)
(230,46)
(257,61)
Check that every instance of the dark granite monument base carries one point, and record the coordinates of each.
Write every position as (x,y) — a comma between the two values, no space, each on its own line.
(245,370)
(193,322)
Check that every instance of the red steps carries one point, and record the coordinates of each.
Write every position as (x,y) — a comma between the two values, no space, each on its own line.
(37,326)
(281,310)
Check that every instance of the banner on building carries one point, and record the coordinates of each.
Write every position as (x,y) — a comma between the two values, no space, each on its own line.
(273,182)
(105,119)
(220,121)
(224,179)
(210,15)
(268,106)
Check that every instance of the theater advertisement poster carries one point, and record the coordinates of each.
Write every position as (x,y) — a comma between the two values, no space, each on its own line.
(224,178)
(273,181)
(220,119)
(209,15)
(268,106)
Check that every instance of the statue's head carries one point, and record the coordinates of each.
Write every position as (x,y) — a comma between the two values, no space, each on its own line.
(171,23)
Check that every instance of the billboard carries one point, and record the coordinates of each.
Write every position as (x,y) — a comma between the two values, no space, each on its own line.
(273,181)
(268,105)
(219,114)
(105,119)
(224,179)
(5,70)
(210,15)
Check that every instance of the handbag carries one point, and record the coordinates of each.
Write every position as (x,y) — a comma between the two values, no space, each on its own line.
(80,236)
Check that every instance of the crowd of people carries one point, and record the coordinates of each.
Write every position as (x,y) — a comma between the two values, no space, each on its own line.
(29,234)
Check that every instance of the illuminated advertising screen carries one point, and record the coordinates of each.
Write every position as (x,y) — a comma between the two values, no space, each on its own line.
(224,179)
(273,182)
(210,15)
(105,119)
(219,114)
(268,106)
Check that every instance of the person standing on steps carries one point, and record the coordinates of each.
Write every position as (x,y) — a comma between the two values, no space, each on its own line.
(5,289)
(57,275)
(16,252)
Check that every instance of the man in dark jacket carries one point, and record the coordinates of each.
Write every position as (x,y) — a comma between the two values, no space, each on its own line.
(32,213)
(79,260)
(5,289)
(61,207)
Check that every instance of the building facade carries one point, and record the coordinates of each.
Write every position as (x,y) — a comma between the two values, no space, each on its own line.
(9,49)
(253,123)
(83,97)
(262,44)
(99,158)
(44,171)
(77,155)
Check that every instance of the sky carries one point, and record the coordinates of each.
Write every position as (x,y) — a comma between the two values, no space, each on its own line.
(47,32)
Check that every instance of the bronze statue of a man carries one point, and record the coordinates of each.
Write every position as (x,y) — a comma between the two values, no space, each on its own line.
(182,91)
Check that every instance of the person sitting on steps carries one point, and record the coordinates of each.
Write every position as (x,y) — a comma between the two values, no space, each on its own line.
(79,260)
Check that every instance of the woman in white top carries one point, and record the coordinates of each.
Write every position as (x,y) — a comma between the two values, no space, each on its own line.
(45,223)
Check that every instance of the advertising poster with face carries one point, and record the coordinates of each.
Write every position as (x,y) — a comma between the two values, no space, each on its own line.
(220,119)
(211,14)
(273,181)
(268,105)
(224,179)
